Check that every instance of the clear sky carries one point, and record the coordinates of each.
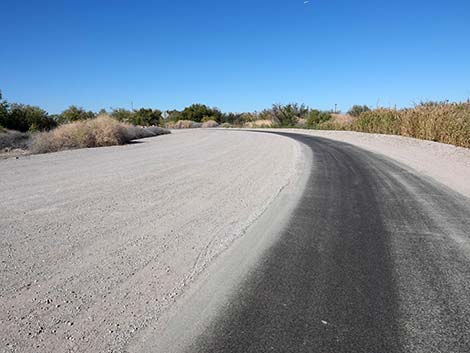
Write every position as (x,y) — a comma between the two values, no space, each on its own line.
(238,55)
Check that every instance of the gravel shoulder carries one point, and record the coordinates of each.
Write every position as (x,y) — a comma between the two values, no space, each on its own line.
(97,243)
(447,164)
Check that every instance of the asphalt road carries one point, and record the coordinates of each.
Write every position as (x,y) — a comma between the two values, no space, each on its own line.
(375,258)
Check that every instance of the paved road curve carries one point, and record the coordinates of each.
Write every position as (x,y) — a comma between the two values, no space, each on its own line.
(375,259)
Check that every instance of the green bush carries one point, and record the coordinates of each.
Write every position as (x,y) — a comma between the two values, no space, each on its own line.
(232,119)
(122,115)
(316,117)
(25,118)
(141,117)
(379,121)
(286,115)
(74,113)
(197,112)
(146,117)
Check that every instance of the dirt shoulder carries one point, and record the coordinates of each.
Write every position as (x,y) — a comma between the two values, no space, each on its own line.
(97,243)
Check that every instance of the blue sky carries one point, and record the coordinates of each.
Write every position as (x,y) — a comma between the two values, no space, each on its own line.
(238,55)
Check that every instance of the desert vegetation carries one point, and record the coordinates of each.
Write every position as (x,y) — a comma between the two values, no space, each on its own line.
(11,140)
(76,127)
(97,132)
(357,110)
(435,121)
(32,129)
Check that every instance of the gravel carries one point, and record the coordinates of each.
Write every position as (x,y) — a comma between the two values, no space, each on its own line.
(97,243)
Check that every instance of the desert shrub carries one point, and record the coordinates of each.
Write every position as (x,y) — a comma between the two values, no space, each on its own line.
(259,124)
(3,111)
(232,118)
(101,131)
(137,132)
(184,124)
(197,112)
(316,117)
(301,123)
(440,122)
(357,110)
(140,117)
(210,124)
(379,121)
(13,139)
(74,113)
(172,115)
(287,115)
(146,117)
(122,115)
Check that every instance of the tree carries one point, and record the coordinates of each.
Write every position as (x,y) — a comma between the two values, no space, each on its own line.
(197,112)
(28,118)
(357,110)
(74,113)
(143,116)
(146,117)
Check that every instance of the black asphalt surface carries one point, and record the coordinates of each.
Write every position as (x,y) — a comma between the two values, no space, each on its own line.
(375,259)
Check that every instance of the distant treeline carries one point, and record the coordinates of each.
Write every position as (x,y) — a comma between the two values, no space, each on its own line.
(436,121)
(27,118)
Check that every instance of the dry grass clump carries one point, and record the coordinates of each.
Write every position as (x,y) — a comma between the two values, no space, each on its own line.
(261,123)
(10,139)
(210,124)
(183,124)
(447,123)
(137,132)
(440,122)
(102,131)
(98,132)
(379,121)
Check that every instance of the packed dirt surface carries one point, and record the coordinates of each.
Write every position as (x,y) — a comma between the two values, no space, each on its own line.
(97,243)
(444,163)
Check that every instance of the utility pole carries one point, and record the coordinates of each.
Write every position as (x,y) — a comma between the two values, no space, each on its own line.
(336,106)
